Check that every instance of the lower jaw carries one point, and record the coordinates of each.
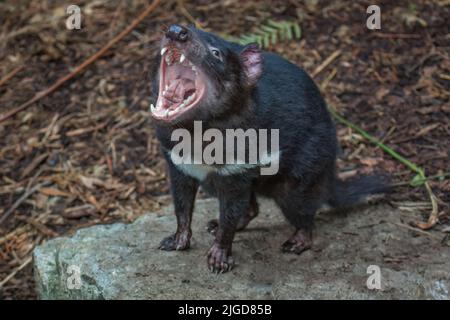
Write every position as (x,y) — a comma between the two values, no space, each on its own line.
(165,111)
(171,113)
(168,115)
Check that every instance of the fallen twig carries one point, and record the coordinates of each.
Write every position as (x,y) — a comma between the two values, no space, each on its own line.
(405,226)
(39,226)
(7,77)
(397,35)
(326,62)
(186,13)
(82,66)
(15,271)
(34,164)
(327,80)
(77,132)
(22,199)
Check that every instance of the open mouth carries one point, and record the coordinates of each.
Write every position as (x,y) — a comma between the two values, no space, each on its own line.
(181,86)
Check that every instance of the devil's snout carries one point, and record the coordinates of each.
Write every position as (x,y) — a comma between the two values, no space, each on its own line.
(177,33)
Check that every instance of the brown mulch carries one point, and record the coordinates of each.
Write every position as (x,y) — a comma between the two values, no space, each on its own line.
(86,154)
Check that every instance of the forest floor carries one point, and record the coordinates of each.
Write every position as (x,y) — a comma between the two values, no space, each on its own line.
(86,154)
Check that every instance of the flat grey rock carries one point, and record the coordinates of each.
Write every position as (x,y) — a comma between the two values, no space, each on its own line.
(121,261)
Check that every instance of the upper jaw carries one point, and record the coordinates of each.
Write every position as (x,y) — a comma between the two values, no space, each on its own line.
(181,84)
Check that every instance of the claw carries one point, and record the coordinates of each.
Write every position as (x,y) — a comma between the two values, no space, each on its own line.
(219,259)
(299,242)
(177,241)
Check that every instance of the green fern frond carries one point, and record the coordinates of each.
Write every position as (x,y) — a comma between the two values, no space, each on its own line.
(270,33)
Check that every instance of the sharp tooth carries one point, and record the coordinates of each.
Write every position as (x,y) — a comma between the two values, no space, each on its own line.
(163,50)
(167,87)
(182,105)
(168,59)
(152,108)
(182,58)
(166,114)
(171,112)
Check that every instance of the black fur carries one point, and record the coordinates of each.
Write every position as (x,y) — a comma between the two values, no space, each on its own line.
(283,98)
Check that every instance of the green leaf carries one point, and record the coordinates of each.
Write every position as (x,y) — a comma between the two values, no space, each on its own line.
(297,31)
(418,180)
(289,34)
(269,29)
(271,33)
(273,24)
(246,39)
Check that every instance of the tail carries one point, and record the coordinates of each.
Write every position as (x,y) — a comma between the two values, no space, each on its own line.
(353,192)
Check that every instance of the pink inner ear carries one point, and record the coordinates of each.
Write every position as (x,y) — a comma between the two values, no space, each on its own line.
(252,62)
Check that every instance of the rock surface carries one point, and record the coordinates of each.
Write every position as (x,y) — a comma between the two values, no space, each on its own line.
(121,261)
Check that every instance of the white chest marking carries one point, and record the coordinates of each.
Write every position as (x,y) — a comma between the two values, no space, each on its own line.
(197,171)
(201,171)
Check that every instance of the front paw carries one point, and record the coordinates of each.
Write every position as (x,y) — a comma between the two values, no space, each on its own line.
(219,259)
(177,241)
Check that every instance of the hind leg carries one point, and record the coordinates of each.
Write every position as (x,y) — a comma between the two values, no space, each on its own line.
(244,220)
(299,206)
(302,220)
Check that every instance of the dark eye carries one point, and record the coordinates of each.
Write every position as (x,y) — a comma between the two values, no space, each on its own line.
(216,53)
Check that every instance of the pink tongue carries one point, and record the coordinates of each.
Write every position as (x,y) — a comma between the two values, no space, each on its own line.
(177,88)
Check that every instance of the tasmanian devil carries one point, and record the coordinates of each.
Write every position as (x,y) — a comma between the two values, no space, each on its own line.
(202,77)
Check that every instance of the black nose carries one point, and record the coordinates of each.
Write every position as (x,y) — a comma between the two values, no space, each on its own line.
(177,33)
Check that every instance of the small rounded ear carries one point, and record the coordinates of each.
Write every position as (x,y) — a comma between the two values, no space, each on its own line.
(252,63)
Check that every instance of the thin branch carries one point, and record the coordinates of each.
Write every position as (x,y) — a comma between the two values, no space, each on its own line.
(22,199)
(405,226)
(7,77)
(188,16)
(12,274)
(326,62)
